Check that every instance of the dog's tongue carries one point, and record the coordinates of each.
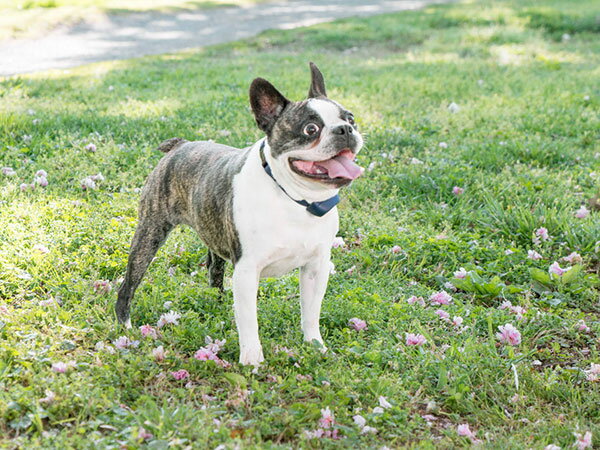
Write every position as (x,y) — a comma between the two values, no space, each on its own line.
(342,167)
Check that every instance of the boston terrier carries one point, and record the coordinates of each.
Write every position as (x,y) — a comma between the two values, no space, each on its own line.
(269,208)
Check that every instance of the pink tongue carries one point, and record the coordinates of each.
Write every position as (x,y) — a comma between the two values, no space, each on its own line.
(342,167)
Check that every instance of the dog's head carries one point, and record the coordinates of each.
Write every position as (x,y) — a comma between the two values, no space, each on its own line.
(313,142)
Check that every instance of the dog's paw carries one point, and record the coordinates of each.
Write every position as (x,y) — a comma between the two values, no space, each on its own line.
(252,357)
(317,342)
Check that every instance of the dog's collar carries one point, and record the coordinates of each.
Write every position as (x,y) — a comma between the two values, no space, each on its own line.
(318,209)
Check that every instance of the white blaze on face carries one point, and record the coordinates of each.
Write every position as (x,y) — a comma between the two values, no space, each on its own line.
(328,110)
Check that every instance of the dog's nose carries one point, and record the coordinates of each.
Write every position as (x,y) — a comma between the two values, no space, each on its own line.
(342,129)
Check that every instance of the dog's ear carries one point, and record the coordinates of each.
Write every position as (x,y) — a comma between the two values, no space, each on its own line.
(267,103)
(317,83)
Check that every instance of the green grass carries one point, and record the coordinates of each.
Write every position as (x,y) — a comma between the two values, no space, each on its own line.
(32,18)
(524,146)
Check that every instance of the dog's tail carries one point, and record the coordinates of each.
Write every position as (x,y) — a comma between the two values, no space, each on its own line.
(170,144)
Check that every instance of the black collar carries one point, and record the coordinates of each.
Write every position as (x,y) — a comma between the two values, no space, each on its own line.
(318,209)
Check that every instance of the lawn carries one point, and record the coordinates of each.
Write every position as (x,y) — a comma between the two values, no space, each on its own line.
(482,147)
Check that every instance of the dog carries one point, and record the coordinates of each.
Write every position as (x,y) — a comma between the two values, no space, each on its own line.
(269,208)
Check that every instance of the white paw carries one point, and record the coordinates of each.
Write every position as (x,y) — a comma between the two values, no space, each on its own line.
(251,356)
(128,324)
(318,340)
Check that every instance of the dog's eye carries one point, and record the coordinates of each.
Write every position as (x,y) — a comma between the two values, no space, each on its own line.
(350,119)
(311,129)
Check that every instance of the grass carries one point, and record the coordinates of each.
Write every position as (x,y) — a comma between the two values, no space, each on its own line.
(524,146)
(32,18)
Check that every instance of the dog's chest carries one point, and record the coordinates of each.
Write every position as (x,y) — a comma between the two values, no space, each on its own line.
(275,233)
(288,246)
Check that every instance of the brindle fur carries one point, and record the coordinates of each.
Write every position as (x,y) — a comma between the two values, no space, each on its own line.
(191,185)
(216,270)
(170,144)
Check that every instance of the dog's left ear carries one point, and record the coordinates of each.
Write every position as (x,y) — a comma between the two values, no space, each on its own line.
(267,103)
(317,84)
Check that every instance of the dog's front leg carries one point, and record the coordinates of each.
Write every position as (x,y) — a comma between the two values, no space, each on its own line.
(245,290)
(313,283)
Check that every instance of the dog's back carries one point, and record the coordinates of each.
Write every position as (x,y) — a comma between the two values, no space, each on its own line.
(170,144)
(192,184)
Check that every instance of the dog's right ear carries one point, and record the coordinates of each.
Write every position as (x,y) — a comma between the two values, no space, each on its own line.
(267,103)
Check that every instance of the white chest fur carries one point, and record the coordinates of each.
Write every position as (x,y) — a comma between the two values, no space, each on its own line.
(276,234)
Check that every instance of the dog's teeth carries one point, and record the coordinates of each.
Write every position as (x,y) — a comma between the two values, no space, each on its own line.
(320,171)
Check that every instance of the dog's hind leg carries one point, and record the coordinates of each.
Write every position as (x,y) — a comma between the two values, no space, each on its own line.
(149,236)
(216,270)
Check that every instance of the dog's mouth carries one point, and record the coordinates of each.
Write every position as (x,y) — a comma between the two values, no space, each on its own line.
(339,170)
